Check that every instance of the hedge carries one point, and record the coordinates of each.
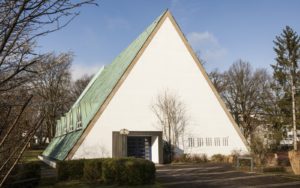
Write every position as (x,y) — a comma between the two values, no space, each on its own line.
(128,171)
(274,169)
(92,170)
(25,175)
(69,170)
(121,171)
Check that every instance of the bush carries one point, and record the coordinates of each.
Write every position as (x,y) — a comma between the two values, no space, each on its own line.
(31,170)
(148,172)
(69,170)
(128,171)
(122,171)
(219,158)
(92,170)
(274,169)
(25,175)
(200,158)
(110,170)
(138,171)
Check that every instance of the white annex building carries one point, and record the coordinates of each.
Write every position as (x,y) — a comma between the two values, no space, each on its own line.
(113,116)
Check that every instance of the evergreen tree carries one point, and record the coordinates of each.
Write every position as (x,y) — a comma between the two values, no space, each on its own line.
(287,72)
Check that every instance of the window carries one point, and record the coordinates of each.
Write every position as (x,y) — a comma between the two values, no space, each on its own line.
(56,130)
(217,141)
(200,142)
(191,142)
(79,118)
(225,141)
(71,126)
(208,141)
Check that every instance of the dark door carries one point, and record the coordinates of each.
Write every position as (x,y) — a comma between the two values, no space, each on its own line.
(139,146)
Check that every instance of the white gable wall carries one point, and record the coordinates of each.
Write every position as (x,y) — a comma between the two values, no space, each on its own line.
(165,64)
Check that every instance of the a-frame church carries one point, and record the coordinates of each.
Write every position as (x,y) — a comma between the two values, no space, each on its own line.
(113,118)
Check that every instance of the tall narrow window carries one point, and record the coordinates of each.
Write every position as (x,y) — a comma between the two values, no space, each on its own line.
(208,141)
(79,118)
(225,141)
(70,121)
(65,125)
(191,142)
(200,142)
(217,141)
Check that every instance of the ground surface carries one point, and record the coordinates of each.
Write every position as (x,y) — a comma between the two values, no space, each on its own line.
(193,175)
(219,175)
(184,175)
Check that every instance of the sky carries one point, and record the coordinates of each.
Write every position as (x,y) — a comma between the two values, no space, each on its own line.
(220,31)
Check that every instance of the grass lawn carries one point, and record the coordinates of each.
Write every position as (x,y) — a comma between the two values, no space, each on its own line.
(31,155)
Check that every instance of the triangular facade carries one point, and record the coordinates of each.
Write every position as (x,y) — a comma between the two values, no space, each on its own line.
(119,98)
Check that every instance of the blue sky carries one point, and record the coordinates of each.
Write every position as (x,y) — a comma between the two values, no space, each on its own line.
(220,31)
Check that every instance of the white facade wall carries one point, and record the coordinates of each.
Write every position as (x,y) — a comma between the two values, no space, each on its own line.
(165,64)
(154,149)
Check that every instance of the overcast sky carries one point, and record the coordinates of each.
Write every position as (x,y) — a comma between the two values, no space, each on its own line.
(220,31)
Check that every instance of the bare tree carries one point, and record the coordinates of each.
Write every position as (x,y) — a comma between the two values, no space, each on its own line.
(21,23)
(218,80)
(243,95)
(172,118)
(52,87)
(79,85)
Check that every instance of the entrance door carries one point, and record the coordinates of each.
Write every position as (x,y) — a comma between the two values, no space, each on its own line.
(139,146)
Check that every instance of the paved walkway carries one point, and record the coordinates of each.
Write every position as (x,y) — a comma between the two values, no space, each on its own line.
(218,175)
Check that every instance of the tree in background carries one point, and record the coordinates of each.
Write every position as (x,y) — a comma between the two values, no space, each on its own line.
(79,85)
(250,97)
(52,90)
(286,74)
(55,91)
(21,23)
(218,80)
(243,94)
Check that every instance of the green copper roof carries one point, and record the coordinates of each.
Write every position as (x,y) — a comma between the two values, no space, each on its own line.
(92,98)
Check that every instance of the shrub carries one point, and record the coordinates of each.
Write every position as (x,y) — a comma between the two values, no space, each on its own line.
(274,169)
(69,170)
(128,171)
(202,158)
(148,172)
(244,162)
(92,170)
(25,175)
(31,170)
(196,158)
(138,171)
(122,171)
(110,170)
(219,158)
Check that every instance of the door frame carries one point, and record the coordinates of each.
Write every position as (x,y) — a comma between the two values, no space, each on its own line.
(119,143)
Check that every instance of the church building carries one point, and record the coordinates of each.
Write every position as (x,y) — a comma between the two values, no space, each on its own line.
(113,115)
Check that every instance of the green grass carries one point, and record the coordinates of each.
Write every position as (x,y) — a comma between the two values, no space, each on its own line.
(31,155)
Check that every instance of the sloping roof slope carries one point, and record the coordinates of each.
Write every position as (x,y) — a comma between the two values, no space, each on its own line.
(93,97)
